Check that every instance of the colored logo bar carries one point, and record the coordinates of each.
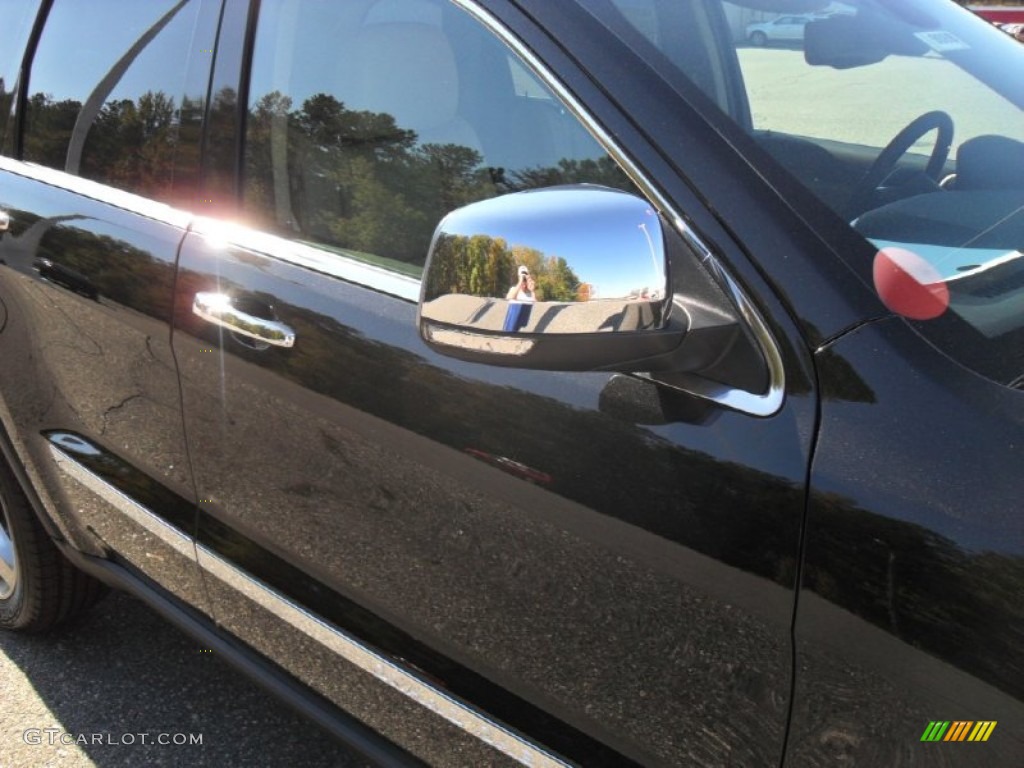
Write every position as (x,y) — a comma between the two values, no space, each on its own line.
(958,730)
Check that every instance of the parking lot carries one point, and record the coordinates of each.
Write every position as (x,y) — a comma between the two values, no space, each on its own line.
(784,94)
(106,691)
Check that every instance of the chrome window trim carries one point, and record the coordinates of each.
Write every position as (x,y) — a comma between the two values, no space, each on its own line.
(220,232)
(102,193)
(756,404)
(227,234)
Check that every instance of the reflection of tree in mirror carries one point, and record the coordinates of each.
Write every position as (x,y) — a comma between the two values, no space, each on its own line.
(480,265)
(555,279)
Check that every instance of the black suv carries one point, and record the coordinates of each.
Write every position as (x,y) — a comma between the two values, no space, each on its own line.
(531,382)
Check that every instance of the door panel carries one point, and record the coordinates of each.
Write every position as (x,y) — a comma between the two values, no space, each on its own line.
(110,124)
(493,531)
(88,370)
(911,581)
(484,564)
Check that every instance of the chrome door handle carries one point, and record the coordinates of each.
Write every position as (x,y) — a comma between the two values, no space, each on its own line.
(219,309)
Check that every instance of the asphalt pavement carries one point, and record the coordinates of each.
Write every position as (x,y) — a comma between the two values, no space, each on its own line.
(122,687)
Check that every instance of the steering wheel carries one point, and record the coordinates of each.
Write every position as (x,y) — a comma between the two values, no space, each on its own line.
(864,191)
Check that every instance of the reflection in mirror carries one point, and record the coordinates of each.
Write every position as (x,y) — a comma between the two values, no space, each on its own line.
(562,260)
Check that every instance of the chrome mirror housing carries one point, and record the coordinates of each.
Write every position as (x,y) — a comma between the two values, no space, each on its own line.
(571,278)
(587,278)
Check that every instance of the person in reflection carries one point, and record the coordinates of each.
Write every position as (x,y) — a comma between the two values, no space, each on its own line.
(521,297)
(524,288)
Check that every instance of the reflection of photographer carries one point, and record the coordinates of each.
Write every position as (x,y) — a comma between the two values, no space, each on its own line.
(525,289)
(521,297)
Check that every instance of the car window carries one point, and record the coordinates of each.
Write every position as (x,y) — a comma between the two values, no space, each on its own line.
(104,98)
(18,16)
(906,119)
(369,121)
(789,96)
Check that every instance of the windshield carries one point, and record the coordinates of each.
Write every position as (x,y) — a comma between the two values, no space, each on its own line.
(903,117)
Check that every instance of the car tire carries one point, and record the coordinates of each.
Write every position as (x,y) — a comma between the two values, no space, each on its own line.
(39,588)
(760,39)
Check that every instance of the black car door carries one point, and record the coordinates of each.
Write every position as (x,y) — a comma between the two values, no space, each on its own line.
(484,564)
(106,135)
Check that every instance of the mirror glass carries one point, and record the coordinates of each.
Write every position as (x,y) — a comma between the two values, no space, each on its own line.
(562,260)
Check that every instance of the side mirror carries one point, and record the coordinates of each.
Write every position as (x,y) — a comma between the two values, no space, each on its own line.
(606,287)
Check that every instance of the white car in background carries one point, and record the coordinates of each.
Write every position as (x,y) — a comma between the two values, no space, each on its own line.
(782,29)
(1014,30)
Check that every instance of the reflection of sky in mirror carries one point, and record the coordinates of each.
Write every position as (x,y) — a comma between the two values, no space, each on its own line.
(611,240)
(78,49)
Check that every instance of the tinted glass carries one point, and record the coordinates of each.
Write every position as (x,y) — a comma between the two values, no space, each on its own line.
(17,16)
(104,98)
(369,121)
(904,118)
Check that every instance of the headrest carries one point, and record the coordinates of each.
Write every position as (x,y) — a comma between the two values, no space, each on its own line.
(990,162)
(390,11)
(406,69)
